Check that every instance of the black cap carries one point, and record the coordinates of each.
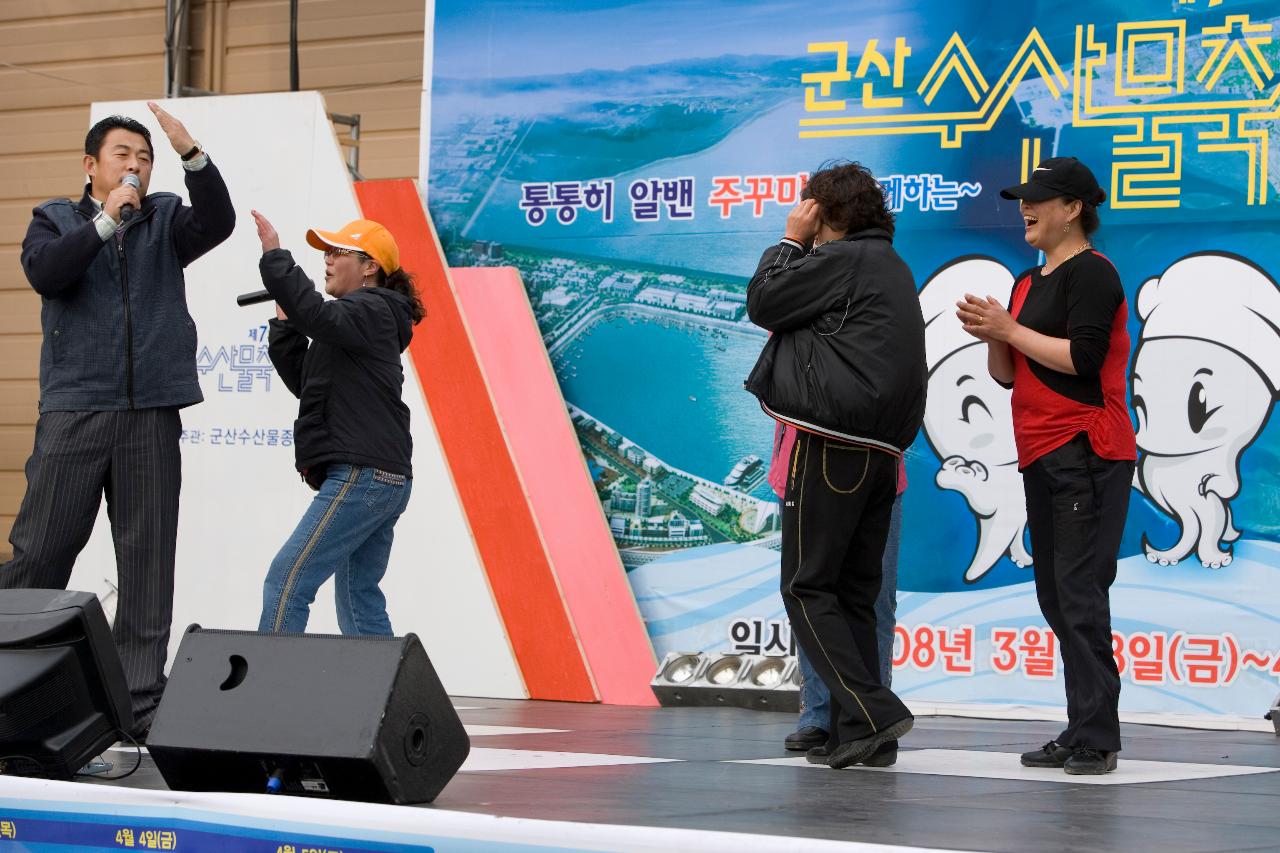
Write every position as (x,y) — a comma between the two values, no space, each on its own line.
(1059,176)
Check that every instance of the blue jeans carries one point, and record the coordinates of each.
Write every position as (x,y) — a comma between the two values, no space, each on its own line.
(345,534)
(815,701)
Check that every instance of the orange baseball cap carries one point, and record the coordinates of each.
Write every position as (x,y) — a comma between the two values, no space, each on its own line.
(362,235)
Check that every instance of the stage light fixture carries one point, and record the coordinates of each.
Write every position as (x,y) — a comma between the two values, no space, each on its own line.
(682,668)
(673,683)
(767,685)
(768,672)
(762,682)
(725,670)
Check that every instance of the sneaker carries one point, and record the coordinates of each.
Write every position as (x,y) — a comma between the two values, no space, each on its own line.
(1052,754)
(805,738)
(1087,761)
(886,755)
(818,755)
(854,751)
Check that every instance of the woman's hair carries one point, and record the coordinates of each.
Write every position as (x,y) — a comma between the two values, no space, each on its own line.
(850,198)
(1089,220)
(402,282)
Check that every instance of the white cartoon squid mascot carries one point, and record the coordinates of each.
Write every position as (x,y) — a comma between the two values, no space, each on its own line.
(1204,379)
(967,419)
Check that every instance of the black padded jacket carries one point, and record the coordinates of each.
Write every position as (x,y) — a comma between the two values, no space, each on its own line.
(348,376)
(846,358)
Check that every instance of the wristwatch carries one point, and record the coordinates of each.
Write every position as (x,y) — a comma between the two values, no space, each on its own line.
(195,149)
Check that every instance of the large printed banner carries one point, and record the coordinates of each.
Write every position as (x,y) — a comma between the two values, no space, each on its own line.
(633,160)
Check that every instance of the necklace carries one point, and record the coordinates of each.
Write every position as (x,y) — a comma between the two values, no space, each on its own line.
(1044,270)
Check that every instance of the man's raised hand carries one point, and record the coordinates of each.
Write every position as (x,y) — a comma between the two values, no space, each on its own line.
(179,138)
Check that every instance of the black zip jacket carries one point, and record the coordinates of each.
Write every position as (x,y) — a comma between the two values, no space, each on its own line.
(117,332)
(846,358)
(348,376)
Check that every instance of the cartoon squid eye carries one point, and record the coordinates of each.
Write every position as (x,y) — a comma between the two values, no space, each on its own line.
(1140,409)
(1198,411)
(969,403)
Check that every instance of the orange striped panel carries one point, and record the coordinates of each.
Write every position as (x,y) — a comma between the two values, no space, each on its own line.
(546,451)
(484,473)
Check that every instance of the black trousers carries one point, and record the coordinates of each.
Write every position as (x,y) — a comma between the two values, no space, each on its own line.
(134,458)
(1076,507)
(835,520)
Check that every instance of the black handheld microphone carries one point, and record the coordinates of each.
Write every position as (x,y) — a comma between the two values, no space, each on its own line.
(127,210)
(254,298)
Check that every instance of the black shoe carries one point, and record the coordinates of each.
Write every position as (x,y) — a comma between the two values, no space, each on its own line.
(1052,754)
(854,751)
(1087,761)
(818,755)
(805,738)
(886,755)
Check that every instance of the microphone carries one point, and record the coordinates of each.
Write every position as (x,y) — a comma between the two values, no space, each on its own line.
(254,298)
(127,210)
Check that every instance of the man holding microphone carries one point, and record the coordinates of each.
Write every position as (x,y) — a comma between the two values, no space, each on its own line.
(116,364)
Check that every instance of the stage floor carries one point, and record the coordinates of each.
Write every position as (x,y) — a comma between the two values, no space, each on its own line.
(957,785)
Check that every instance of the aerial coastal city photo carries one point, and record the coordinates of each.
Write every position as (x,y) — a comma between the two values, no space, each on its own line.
(650,357)
(595,313)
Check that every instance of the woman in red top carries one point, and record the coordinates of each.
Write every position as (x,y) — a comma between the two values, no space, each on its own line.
(1063,346)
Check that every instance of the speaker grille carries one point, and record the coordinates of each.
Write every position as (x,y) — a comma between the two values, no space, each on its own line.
(37,704)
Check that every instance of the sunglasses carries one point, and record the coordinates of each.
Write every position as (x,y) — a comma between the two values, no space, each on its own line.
(334,252)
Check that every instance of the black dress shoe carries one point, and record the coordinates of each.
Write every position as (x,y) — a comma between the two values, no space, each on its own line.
(886,755)
(855,751)
(1052,754)
(805,738)
(1087,761)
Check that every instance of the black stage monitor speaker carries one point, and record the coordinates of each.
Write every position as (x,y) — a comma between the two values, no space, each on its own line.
(354,718)
(63,697)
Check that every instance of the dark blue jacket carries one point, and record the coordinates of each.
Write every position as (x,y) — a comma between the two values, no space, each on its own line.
(117,333)
(348,376)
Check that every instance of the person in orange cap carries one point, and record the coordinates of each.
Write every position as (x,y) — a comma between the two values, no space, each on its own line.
(341,358)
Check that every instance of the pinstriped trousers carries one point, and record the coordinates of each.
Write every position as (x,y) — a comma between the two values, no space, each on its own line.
(134,458)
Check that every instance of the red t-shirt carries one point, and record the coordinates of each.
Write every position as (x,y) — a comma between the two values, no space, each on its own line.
(1082,301)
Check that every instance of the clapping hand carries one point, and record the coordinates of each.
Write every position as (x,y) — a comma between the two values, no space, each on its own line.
(985,319)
